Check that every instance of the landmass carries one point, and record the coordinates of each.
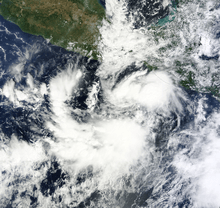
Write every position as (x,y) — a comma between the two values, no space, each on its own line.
(71,24)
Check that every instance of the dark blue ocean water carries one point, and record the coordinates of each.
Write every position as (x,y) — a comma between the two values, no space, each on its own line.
(102,2)
(44,61)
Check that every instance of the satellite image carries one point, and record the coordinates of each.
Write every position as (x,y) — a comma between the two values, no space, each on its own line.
(109,104)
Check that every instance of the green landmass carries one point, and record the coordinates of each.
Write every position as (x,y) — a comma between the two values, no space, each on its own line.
(71,24)
(186,69)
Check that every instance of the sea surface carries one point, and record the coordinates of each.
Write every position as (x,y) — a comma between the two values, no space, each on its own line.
(138,128)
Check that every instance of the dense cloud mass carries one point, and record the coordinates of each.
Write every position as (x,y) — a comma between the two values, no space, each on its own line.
(130,131)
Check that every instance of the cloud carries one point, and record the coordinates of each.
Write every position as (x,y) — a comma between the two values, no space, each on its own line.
(155,91)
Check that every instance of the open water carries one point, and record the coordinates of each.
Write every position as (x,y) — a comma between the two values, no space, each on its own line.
(122,132)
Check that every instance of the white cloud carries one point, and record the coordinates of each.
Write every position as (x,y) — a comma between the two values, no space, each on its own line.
(155,90)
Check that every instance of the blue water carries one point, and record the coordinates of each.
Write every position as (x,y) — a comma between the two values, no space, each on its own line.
(102,2)
(44,61)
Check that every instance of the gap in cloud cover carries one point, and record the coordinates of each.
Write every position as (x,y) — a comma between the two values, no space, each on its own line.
(77,133)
